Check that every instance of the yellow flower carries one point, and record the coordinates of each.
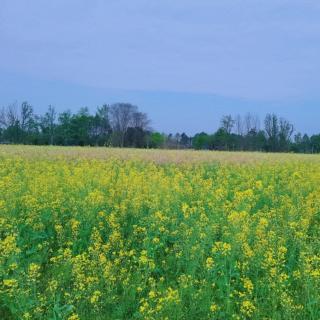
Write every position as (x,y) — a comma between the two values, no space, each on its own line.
(213,308)
(248,285)
(152,294)
(8,246)
(259,184)
(144,307)
(247,308)
(95,297)
(209,263)
(221,247)
(13,266)
(26,316)
(74,226)
(143,257)
(58,228)
(53,285)
(10,283)
(74,316)
(156,240)
(34,271)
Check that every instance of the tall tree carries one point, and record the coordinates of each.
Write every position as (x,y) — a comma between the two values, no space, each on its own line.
(64,128)
(227,123)
(271,124)
(26,116)
(81,125)
(315,143)
(251,123)
(140,120)
(239,125)
(121,115)
(11,119)
(157,140)
(137,134)
(185,141)
(101,127)
(104,119)
(285,132)
(48,124)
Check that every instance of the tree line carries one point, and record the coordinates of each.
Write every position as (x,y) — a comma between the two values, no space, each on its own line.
(246,133)
(119,125)
(123,125)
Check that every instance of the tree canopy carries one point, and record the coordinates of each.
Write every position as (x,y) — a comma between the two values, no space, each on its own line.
(123,125)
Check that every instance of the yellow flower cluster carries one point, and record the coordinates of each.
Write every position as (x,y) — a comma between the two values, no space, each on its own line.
(110,234)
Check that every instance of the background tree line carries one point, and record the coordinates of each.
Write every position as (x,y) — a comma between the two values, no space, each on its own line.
(123,125)
(246,133)
(120,125)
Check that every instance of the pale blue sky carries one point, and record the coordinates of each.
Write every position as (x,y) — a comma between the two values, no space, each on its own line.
(184,62)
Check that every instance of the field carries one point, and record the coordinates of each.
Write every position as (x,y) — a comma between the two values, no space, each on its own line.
(88,233)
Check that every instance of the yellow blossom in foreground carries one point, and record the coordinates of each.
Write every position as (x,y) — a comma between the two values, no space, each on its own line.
(209,263)
(95,297)
(74,316)
(101,233)
(247,308)
(213,308)
(10,283)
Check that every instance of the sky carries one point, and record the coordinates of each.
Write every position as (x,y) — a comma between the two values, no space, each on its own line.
(184,62)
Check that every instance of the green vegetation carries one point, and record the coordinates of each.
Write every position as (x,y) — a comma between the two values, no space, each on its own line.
(123,125)
(97,233)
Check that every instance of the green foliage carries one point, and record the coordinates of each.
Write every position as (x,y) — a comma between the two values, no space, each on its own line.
(201,141)
(122,125)
(157,140)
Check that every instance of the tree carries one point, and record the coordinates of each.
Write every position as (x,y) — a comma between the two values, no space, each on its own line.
(315,143)
(3,122)
(123,125)
(121,117)
(64,128)
(306,143)
(227,123)
(185,141)
(81,125)
(256,141)
(285,132)
(26,116)
(10,120)
(136,137)
(48,125)
(301,143)
(271,124)
(104,120)
(239,125)
(157,140)
(29,124)
(222,140)
(248,123)
(101,127)
(137,134)
(251,123)
(201,141)
(140,120)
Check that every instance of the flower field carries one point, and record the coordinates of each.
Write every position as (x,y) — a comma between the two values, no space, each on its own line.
(91,233)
